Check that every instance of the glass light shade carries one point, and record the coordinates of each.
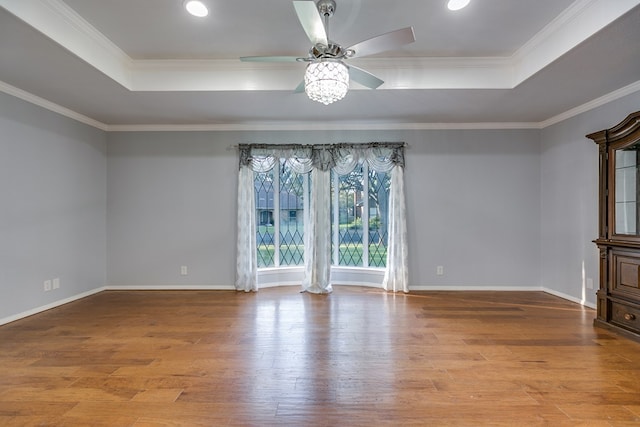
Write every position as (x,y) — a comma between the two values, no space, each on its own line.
(196,8)
(457,4)
(326,81)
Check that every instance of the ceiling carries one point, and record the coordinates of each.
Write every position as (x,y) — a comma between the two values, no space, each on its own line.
(147,64)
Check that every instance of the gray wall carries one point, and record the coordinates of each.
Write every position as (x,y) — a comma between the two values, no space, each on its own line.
(473,201)
(53,207)
(473,207)
(569,208)
(502,208)
(171,201)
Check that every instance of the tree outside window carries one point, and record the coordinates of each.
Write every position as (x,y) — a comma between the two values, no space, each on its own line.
(360,207)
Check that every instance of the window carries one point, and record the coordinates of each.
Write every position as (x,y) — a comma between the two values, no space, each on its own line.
(285,226)
(360,203)
(357,221)
(360,211)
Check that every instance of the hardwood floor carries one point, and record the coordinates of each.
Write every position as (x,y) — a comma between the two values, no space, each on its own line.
(358,357)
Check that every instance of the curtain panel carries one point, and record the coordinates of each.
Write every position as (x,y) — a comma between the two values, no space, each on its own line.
(246,259)
(320,160)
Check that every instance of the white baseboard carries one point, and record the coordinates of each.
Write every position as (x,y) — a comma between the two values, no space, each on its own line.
(504,288)
(474,288)
(58,303)
(49,306)
(570,298)
(276,285)
(169,288)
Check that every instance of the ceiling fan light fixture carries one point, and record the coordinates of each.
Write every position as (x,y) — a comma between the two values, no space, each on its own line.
(326,80)
(457,4)
(196,8)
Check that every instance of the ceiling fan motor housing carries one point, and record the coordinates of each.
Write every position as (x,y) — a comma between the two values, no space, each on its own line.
(334,50)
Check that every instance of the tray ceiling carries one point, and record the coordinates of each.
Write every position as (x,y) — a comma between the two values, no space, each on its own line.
(119,64)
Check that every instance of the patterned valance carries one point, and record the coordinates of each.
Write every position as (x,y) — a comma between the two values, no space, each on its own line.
(342,158)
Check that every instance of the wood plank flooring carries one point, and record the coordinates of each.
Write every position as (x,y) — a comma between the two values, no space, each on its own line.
(358,357)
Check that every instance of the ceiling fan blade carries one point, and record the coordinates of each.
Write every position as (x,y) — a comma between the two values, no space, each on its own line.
(363,77)
(269,59)
(384,42)
(311,21)
(300,87)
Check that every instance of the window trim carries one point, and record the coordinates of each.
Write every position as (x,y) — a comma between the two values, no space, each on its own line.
(340,275)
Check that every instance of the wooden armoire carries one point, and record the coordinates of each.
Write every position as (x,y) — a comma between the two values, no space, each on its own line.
(618,297)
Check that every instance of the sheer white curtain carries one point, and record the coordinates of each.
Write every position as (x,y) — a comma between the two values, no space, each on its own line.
(319,160)
(246,258)
(317,235)
(396,276)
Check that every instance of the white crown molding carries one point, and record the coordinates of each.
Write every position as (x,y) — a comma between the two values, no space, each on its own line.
(617,94)
(62,24)
(399,73)
(577,23)
(306,126)
(328,126)
(41,102)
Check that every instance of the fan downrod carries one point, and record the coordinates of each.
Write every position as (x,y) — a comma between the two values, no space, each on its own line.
(326,7)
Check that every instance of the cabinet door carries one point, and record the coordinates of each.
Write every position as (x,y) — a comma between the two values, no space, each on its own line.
(625,183)
(626,274)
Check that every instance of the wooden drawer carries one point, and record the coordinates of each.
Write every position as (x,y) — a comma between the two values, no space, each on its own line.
(626,274)
(625,316)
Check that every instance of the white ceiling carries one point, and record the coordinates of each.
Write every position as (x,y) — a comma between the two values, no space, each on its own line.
(122,64)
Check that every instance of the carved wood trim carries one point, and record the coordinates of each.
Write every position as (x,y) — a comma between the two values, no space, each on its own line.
(626,129)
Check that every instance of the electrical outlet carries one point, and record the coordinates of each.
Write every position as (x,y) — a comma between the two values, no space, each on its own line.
(589,283)
(183,270)
(56,283)
(440,270)
(47,285)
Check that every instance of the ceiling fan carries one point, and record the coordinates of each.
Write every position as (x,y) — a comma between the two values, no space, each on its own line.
(327,76)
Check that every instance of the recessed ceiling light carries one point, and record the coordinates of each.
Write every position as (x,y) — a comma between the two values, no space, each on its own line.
(457,4)
(196,8)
